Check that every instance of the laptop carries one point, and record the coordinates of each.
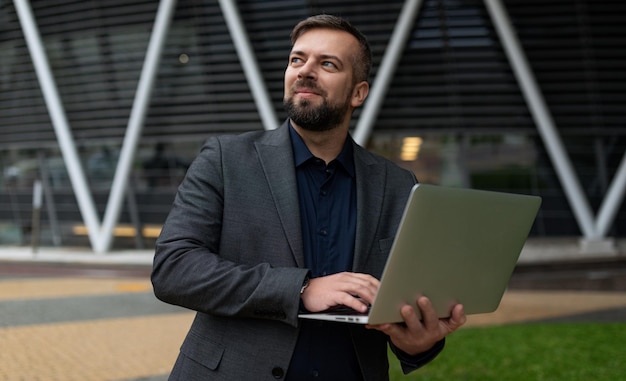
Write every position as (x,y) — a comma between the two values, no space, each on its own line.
(453,245)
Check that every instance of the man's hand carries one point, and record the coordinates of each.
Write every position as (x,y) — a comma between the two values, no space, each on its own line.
(417,336)
(354,290)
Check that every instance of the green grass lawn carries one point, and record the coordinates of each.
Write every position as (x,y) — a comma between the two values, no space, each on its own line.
(529,352)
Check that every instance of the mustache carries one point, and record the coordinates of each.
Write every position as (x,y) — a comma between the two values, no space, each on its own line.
(309,84)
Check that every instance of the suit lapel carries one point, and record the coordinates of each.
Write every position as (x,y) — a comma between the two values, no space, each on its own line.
(276,157)
(369,198)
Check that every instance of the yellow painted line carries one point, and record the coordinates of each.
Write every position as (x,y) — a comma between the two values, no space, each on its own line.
(149,231)
(134,287)
(42,288)
(101,350)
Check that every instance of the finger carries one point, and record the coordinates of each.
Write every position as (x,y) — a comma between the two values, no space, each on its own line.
(354,290)
(364,277)
(457,317)
(356,304)
(326,292)
(391,330)
(429,315)
(411,319)
(357,277)
(408,315)
(365,280)
(363,286)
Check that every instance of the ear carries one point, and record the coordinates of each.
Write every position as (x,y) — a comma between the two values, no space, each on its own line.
(359,93)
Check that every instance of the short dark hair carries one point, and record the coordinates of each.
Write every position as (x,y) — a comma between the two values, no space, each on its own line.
(363,63)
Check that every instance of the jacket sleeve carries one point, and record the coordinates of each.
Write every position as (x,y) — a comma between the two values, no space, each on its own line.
(190,271)
(410,363)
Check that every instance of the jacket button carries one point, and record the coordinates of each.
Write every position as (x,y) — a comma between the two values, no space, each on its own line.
(278,372)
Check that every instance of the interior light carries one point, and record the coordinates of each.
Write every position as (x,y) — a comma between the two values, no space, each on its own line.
(410,148)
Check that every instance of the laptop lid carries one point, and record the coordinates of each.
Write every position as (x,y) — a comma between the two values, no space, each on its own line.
(453,245)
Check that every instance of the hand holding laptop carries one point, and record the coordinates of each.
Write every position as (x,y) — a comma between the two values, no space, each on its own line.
(418,335)
(353,290)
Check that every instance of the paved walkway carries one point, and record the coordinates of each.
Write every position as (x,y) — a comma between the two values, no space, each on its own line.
(519,306)
(100,321)
(86,328)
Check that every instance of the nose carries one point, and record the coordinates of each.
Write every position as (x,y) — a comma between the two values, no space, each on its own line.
(307,71)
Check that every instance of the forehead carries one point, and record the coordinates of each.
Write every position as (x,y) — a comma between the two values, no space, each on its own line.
(327,42)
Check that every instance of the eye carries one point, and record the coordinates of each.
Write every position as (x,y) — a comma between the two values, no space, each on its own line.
(296,60)
(329,64)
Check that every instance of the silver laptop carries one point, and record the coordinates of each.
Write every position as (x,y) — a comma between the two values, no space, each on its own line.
(453,245)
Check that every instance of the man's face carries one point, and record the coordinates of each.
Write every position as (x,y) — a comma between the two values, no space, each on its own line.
(319,83)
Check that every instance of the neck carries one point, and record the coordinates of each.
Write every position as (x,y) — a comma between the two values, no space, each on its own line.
(324,144)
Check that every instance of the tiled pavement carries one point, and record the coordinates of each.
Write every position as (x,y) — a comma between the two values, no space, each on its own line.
(96,322)
(76,328)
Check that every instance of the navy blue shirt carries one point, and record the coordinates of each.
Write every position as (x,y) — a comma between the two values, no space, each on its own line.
(327,195)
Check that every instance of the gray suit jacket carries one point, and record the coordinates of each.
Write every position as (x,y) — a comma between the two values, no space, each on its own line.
(231,249)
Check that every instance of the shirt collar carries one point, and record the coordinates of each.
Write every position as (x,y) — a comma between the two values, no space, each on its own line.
(301,152)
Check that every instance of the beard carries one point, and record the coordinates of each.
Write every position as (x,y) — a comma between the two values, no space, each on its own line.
(322,117)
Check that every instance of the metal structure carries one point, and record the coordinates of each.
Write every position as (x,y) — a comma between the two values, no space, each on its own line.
(101,233)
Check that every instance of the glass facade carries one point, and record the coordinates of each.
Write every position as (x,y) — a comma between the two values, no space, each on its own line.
(453,113)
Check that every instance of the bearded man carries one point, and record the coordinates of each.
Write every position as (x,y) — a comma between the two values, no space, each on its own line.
(267,224)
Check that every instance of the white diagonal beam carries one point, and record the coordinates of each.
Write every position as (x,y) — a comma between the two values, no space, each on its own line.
(542,117)
(387,69)
(135,123)
(61,126)
(612,200)
(249,63)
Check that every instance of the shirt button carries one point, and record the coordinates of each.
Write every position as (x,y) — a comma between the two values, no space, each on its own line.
(315,373)
(278,372)
(323,232)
